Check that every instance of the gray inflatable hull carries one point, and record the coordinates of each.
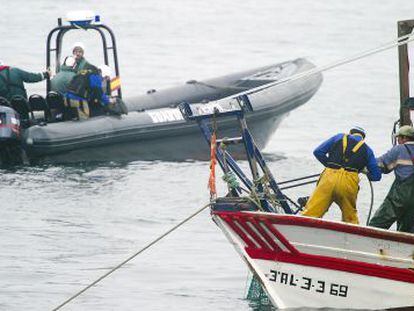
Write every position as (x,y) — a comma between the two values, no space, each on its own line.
(155,130)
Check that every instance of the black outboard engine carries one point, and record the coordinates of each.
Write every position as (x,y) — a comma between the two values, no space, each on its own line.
(10,137)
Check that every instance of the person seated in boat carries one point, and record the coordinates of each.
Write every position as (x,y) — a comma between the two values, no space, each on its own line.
(78,52)
(12,80)
(59,83)
(85,96)
(71,66)
(344,157)
(115,105)
(398,205)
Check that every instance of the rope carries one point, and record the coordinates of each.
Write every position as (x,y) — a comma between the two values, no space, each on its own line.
(372,200)
(217,87)
(300,184)
(231,180)
(297,179)
(130,258)
(397,42)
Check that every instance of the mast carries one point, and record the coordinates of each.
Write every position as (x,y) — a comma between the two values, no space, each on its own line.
(404,28)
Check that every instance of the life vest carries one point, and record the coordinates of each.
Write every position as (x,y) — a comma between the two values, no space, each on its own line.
(79,85)
(348,153)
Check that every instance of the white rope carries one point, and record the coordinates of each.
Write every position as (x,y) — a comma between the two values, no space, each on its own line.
(399,41)
(130,258)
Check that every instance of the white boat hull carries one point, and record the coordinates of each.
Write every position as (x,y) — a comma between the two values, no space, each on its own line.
(306,262)
(291,285)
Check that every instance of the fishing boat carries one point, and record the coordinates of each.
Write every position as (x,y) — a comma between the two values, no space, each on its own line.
(154,128)
(304,262)
(317,263)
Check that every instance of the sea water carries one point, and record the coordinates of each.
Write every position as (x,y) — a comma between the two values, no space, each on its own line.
(62,227)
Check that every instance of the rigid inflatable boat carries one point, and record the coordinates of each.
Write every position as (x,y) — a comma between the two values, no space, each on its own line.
(154,128)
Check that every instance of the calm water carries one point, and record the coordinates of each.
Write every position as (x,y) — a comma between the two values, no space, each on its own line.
(61,227)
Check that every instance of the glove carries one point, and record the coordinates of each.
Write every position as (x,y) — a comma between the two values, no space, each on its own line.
(47,74)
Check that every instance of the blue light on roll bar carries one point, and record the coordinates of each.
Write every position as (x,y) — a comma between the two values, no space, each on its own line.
(82,18)
(81,23)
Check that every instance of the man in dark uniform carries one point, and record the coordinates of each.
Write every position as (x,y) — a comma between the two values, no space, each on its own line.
(398,205)
(344,156)
(12,81)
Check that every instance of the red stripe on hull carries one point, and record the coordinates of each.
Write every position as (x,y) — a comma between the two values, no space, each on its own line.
(345,228)
(265,235)
(323,224)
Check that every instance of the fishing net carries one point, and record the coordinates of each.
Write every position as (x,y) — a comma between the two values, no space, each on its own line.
(257,297)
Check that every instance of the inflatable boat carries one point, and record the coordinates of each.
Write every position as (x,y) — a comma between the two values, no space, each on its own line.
(154,128)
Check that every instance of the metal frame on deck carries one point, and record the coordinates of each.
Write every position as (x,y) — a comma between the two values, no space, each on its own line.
(254,156)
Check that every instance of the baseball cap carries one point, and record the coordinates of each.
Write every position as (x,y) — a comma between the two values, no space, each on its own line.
(406,130)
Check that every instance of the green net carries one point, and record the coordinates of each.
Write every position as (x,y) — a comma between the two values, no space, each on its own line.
(231,180)
(257,297)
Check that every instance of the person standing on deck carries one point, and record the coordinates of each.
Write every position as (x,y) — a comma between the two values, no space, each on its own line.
(344,156)
(398,205)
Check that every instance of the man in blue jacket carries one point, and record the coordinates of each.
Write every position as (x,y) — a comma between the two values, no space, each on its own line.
(85,89)
(398,205)
(85,95)
(344,157)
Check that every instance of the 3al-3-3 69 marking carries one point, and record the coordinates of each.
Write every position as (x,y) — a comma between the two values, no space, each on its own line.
(307,283)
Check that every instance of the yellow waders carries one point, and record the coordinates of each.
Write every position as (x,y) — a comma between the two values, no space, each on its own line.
(336,185)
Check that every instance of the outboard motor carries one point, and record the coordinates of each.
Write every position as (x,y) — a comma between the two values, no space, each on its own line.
(10,136)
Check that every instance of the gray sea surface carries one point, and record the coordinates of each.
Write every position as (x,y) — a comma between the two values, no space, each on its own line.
(62,227)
